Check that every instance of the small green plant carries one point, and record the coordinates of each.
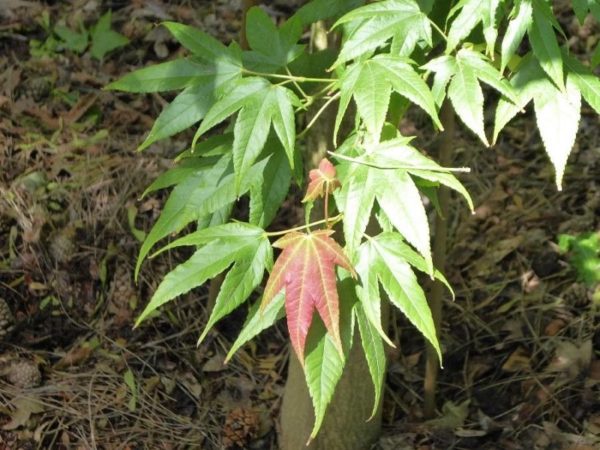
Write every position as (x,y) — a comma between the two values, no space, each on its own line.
(583,251)
(60,37)
(393,53)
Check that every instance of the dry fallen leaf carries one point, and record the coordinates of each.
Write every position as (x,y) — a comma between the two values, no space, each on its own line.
(24,407)
(571,359)
(517,361)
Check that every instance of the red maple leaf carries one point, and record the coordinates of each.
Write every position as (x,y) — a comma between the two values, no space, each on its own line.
(323,181)
(306,270)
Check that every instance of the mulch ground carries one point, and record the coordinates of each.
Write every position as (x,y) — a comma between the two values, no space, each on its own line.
(521,341)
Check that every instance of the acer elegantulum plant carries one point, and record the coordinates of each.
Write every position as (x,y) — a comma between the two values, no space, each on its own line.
(393,53)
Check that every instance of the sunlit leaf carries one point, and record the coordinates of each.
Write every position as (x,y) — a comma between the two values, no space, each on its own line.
(306,270)
(557,114)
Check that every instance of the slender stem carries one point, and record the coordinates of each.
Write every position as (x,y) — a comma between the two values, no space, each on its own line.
(377,166)
(326,88)
(326,205)
(307,97)
(331,220)
(318,113)
(289,77)
(432,363)
(438,29)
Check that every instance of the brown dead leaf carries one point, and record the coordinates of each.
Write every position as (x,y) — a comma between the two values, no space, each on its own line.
(24,407)
(571,359)
(214,364)
(453,416)
(554,327)
(75,357)
(517,361)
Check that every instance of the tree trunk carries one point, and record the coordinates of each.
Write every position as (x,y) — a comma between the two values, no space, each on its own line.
(345,426)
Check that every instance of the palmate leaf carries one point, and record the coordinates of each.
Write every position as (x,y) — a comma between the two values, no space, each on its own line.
(272,48)
(316,10)
(237,244)
(527,81)
(587,83)
(557,112)
(490,25)
(467,15)
(371,82)
(323,181)
(379,22)
(201,193)
(201,45)
(188,108)
(580,8)
(368,292)
(245,275)
(259,104)
(399,282)
(382,173)
(408,216)
(104,39)
(467,99)
(464,90)
(306,270)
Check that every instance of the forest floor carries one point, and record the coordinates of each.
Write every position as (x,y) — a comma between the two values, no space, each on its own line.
(521,341)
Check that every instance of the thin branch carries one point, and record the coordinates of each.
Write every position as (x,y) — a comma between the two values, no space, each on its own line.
(307,97)
(438,29)
(377,166)
(330,220)
(318,113)
(289,77)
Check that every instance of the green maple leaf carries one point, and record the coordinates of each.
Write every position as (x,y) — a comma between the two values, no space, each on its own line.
(199,193)
(244,246)
(375,24)
(467,14)
(384,173)
(463,73)
(260,104)
(371,83)
(271,48)
(386,260)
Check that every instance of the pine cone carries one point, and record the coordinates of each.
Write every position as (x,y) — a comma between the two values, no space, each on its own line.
(576,295)
(22,373)
(36,87)
(62,246)
(7,320)
(240,427)
(122,296)
(121,287)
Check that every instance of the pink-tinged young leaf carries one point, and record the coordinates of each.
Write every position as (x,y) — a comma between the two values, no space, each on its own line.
(306,270)
(322,181)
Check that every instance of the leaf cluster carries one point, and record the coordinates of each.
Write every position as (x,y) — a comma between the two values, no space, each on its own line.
(393,53)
